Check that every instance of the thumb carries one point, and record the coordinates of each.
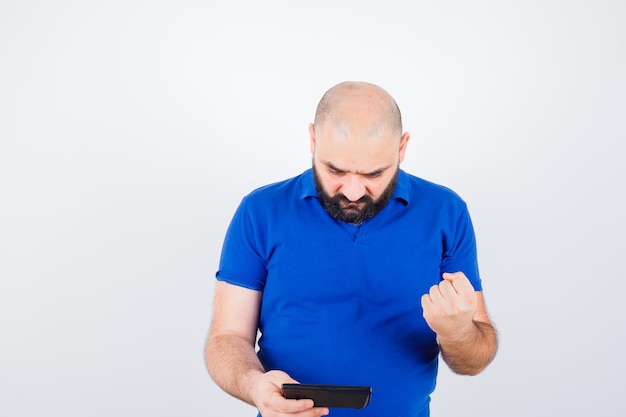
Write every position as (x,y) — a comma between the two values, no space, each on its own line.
(448,276)
(451,276)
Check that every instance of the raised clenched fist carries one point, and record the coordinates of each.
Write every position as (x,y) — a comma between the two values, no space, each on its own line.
(449,307)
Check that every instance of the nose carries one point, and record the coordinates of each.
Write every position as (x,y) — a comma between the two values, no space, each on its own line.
(353,187)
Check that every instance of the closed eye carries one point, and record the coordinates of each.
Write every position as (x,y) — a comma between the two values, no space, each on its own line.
(335,172)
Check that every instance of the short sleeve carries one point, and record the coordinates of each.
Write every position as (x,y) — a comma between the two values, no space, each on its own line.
(459,252)
(241,262)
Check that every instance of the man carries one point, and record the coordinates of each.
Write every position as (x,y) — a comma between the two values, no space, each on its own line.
(354,272)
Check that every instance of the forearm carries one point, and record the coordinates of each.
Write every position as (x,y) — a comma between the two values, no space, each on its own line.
(470,353)
(233,364)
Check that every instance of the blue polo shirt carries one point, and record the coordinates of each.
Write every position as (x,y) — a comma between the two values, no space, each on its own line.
(342,303)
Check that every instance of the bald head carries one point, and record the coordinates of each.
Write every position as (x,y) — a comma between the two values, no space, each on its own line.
(359,105)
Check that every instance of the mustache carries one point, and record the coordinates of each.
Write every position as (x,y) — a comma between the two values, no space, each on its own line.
(340,198)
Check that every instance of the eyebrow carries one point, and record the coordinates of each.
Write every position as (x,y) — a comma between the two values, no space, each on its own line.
(375,172)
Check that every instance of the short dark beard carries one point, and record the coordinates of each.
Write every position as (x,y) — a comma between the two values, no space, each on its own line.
(336,206)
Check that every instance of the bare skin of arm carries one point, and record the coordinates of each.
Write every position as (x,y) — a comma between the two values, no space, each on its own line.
(232,361)
(457,313)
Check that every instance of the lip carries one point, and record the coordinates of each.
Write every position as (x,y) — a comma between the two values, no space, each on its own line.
(352,206)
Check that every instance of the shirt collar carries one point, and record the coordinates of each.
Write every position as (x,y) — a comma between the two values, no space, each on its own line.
(401,192)
(308,184)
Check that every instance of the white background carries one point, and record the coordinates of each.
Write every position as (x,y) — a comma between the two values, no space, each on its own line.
(130,130)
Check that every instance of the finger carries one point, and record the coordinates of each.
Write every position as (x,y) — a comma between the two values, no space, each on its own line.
(466,292)
(322,411)
(280,377)
(426,301)
(307,411)
(463,287)
(448,290)
(435,293)
(462,294)
(286,406)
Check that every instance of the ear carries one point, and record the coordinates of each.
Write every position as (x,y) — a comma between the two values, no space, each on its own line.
(403,142)
(312,138)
